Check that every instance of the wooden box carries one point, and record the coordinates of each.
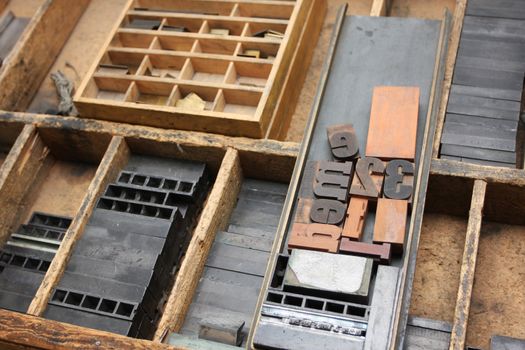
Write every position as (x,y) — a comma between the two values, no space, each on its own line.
(234,55)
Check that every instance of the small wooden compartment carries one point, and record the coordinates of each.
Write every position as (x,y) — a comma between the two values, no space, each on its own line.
(232,57)
(8,135)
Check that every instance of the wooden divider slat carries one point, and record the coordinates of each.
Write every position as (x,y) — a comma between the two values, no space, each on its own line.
(114,159)
(18,172)
(380,8)
(214,217)
(468,267)
(207,17)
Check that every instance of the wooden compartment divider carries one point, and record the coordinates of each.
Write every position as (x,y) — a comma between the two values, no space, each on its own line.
(238,76)
(34,53)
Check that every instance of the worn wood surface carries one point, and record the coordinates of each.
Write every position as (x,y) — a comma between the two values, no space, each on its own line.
(19,331)
(214,217)
(3,5)
(36,50)
(468,267)
(115,158)
(380,8)
(17,174)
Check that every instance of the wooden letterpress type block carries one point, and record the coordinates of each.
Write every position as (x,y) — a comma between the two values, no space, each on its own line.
(327,211)
(308,179)
(332,180)
(399,180)
(355,218)
(392,130)
(391,221)
(320,237)
(368,178)
(343,141)
(380,252)
(302,212)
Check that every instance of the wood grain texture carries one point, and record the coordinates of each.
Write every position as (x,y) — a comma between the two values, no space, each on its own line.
(289,95)
(214,217)
(380,8)
(114,160)
(20,332)
(18,172)
(453,45)
(37,48)
(392,131)
(391,221)
(260,159)
(3,5)
(468,267)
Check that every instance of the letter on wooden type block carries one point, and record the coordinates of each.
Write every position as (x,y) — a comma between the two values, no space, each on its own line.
(392,131)
(343,141)
(355,218)
(368,178)
(302,213)
(399,180)
(327,211)
(319,237)
(391,220)
(381,252)
(333,179)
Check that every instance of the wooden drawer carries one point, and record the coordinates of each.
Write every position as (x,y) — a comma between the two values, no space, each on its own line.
(161,53)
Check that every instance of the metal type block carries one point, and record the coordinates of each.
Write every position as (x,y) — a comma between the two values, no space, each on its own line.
(391,221)
(343,141)
(89,320)
(491,49)
(167,167)
(190,342)
(305,332)
(479,153)
(355,218)
(319,237)
(139,209)
(483,107)
(327,211)
(244,241)
(499,124)
(491,28)
(399,180)
(42,232)
(198,312)
(148,24)
(323,274)
(14,302)
(392,132)
(478,136)
(381,252)
(368,179)
(489,92)
(238,259)
(128,223)
(380,323)
(9,252)
(223,331)
(21,281)
(490,64)
(265,186)
(51,221)
(479,161)
(487,78)
(262,232)
(247,207)
(333,180)
(500,8)
(256,220)
(498,342)
(264,197)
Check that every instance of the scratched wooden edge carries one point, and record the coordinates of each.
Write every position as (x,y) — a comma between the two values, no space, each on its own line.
(468,267)
(29,61)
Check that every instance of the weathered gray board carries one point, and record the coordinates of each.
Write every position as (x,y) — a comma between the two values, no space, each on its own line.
(369,52)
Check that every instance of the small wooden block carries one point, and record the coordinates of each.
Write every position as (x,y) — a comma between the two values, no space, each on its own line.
(392,131)
(219,31)
(320,237)
(381,252)
(355,218)
(399,180)
(391,221)
(327,211)
(302,212)
(251,53)
(368,178)
(343,141)
(333,179)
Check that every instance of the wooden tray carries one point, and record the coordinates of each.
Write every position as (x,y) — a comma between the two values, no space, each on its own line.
(162,65)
